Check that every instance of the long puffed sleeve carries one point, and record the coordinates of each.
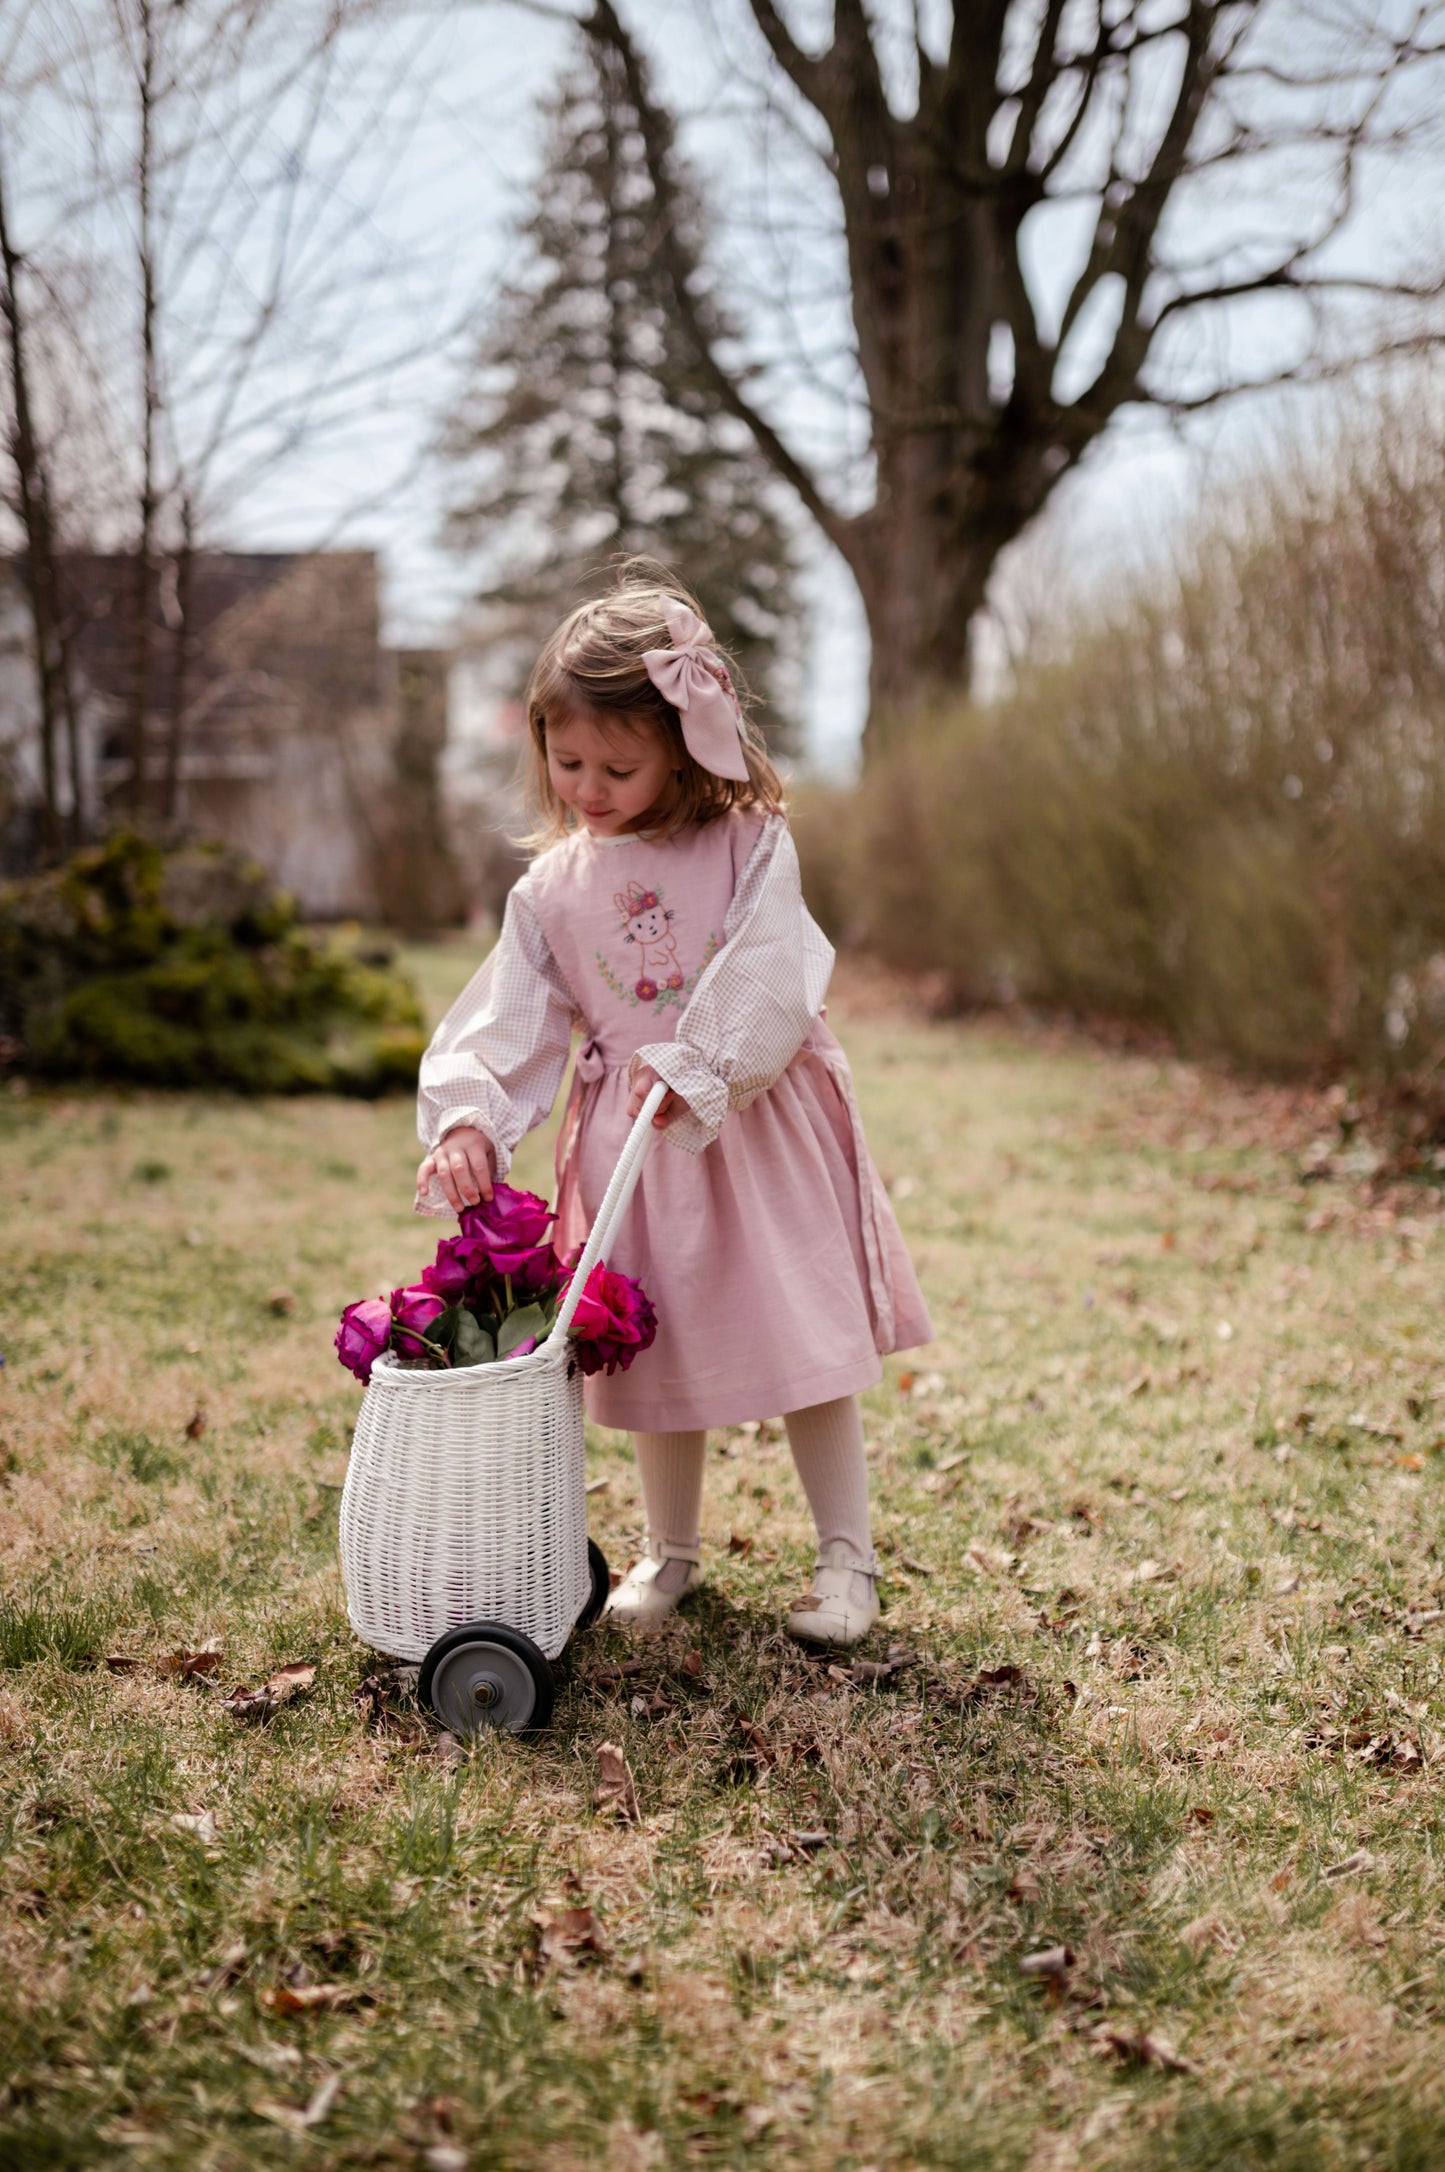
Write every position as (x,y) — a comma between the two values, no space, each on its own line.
(755,1004)
(497,1058)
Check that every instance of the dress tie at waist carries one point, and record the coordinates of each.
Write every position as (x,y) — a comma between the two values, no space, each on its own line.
(588,1067)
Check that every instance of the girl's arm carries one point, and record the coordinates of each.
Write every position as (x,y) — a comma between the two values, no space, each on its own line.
(497,1058)
(754,1006)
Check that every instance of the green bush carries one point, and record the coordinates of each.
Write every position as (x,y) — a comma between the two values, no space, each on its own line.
(189,969)
(1216,808)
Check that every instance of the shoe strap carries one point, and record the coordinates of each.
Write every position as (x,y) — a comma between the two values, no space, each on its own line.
(867,1566)
(660,1550)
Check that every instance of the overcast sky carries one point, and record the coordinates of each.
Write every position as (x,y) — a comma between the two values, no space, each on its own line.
(451,189)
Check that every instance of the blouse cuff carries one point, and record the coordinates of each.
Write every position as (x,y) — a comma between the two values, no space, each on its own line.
(704,1093)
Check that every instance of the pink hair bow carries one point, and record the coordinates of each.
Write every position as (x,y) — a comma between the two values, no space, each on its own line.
(691,676)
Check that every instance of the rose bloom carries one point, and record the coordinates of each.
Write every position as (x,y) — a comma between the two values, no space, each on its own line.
(533,1273)
(414,1308)
(510,1221)
(364,1333)
(461,1265)
(613,1322)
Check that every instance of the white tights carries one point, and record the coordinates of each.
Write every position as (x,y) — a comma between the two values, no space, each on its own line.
(827,1444)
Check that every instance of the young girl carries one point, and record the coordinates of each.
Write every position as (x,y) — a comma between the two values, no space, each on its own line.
(665,922)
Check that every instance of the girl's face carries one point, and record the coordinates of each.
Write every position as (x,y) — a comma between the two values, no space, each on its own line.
(611,770)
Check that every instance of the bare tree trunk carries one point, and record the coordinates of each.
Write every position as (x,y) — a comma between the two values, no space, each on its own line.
(137,794)
(36,523)
(181,670)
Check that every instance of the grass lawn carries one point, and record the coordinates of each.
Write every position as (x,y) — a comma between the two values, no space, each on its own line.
(1161,1514)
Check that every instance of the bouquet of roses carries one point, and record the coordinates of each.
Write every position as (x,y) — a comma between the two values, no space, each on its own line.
(492,1293)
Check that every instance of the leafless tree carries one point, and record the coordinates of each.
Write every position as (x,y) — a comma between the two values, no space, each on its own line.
(1214,152)
(221,182)
(33,510)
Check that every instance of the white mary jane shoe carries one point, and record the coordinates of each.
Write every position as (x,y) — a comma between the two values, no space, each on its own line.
(637,1603)
(842,1605)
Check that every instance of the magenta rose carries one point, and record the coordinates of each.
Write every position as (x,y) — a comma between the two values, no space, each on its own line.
(462,1264)
(533,1273)
(523,1349)
(412,1311)
(613,1322)
(510,1221)
(364,1333)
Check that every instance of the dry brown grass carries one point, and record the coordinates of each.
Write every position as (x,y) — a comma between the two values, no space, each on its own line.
(1212,1560)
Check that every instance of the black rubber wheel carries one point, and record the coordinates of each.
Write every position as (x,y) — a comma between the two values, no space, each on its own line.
(486,1675)
(601,1585)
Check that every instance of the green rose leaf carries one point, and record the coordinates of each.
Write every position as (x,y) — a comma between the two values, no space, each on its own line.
(471,1344)
(527,1324)
(443,1329)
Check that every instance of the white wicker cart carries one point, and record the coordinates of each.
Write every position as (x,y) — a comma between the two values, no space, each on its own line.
(463,1519)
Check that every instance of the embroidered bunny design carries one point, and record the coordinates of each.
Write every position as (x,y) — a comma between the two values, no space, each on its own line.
(645,920)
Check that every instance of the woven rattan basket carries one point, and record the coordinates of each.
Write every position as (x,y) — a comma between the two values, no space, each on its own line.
(465,1499)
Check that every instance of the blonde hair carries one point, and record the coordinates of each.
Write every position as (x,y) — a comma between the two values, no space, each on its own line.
(594,661)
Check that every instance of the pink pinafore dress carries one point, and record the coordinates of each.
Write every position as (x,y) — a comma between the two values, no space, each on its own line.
(773,1257)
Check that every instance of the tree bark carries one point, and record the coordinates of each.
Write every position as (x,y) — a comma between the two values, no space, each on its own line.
(181,662)
(137,792)
(38,529)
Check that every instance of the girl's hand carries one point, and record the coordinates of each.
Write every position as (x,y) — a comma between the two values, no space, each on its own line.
(642,1081)
(462,1165)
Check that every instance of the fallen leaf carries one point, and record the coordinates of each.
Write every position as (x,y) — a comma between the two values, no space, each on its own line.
(809,1842)
(196,1423)
(282,1303)
(201,1824)
(259,1704)
(916,1568)
(1142,2047)
(121,1663)
(308,1998)
(1411,1462)
(1286,1587)
(616,1789)
(951,1463)
(759,1750)
(298,2117)
(1049,1961)
(692,1665)
(613,1675)
(865,1671)
(598,1485)
(183,1663)
(445,2157)
(1353,1865)
(571,1935)
(1201,1814)
(739,1542)
(905,1380)
(1150,1572)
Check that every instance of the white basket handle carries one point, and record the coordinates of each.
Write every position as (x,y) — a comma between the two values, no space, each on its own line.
(614,1205)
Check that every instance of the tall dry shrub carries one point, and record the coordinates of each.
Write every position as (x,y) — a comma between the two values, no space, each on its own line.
(1219,806)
